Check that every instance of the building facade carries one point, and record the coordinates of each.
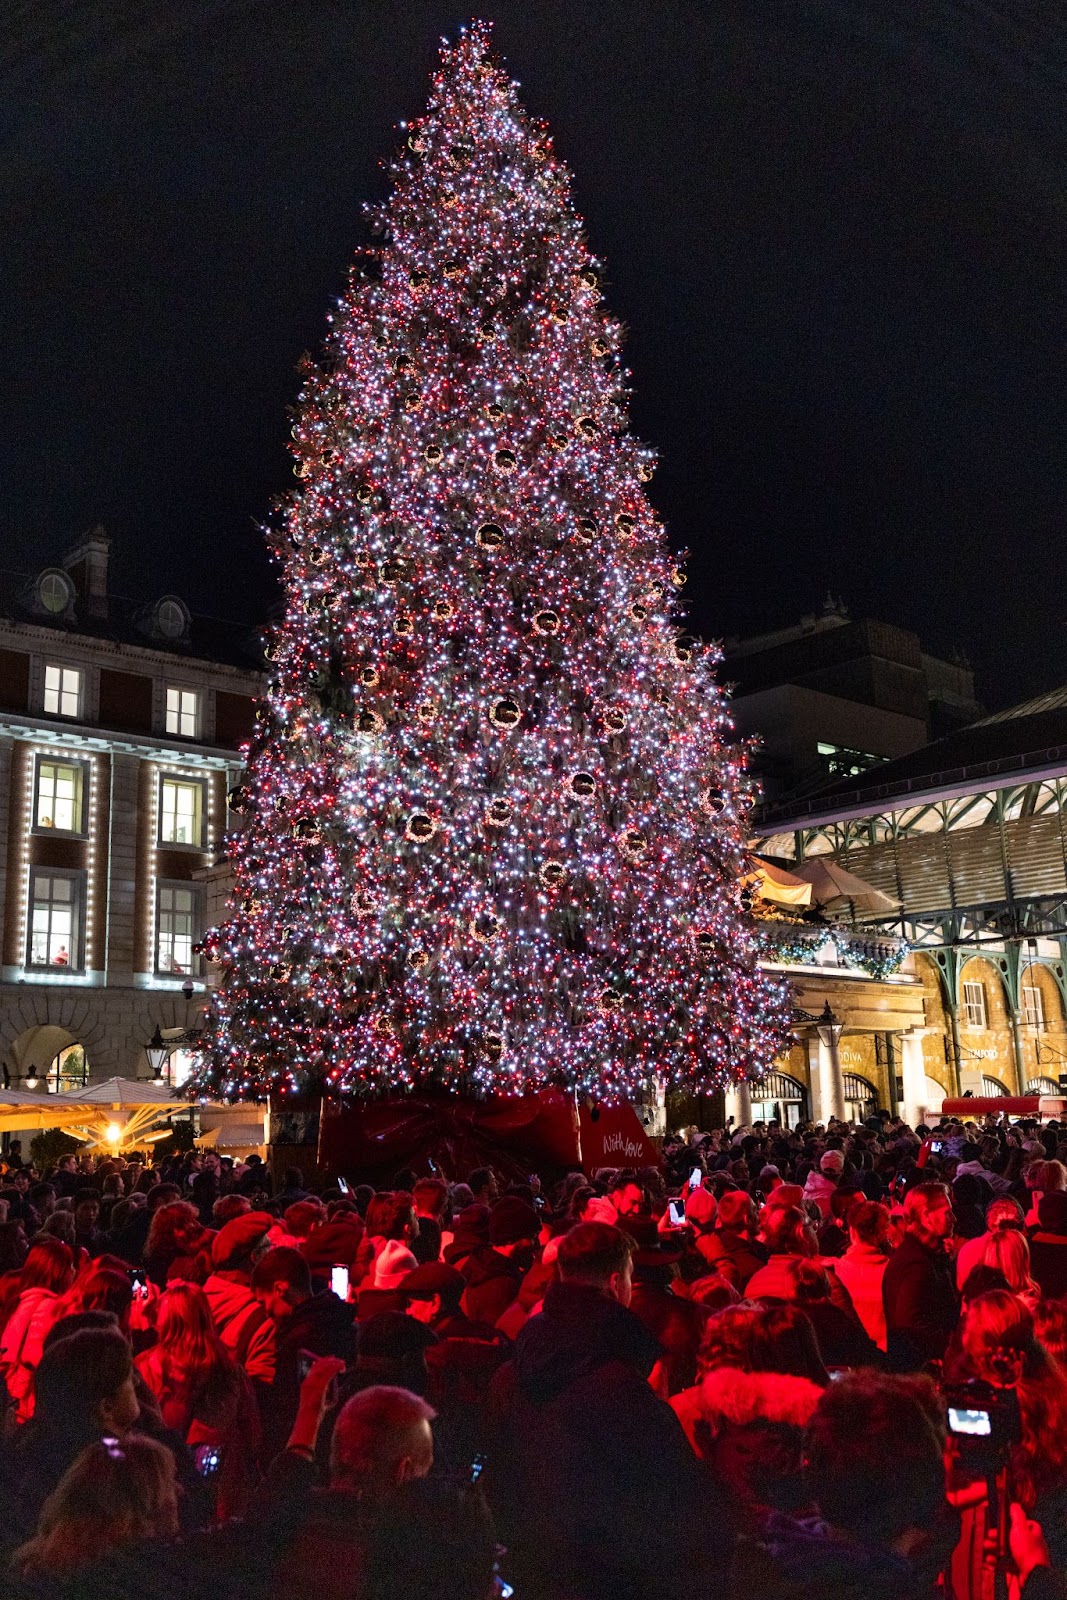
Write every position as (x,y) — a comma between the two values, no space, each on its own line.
(120,731)
(831,697)
(968,835)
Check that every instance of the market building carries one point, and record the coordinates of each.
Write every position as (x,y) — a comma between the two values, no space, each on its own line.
(120,729)
(966,839)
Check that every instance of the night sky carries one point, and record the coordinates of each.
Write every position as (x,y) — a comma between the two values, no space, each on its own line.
(834,231)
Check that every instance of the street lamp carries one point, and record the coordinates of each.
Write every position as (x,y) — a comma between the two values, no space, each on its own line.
(158,1054)
(829,1026)
(31,1079)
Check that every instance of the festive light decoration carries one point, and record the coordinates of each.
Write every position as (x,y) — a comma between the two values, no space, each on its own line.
(493,824)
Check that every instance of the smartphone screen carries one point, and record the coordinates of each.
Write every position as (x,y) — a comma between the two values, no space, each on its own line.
(339,1281)
(139,1282)
(696,1178)
(676,1212)
(342,1184)
(477,1468)
(207,1459)
(964,1419)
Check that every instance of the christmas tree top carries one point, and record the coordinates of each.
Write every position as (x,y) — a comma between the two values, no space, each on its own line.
(493,831)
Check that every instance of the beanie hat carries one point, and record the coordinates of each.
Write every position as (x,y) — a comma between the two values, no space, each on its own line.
(240,1237)
(511,1220)
(700,1208)
(394,1263)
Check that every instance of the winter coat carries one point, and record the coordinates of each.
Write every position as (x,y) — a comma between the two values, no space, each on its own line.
(749,1427)
(796,1558)
(861,1270)
(819,1188)
(733,1255)
(921,1308)
(23,1344)
(243,1326)
(493,1282)
(591,1479)
(1048,1263)
(322,1325)
(221,1415)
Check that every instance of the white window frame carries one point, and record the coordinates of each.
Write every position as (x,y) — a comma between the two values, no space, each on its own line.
(75,939)
(1033,1005)
(64,690)
(183,713)
(81,768)
(180,781)
(975,1010)
(166,889)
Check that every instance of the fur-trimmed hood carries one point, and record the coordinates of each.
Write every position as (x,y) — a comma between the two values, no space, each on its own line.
(726,1395)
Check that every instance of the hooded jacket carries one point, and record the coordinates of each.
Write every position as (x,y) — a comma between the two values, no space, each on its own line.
(820,1188)
(750,1426)
(596,1490)
(243,1326)
(493,1282)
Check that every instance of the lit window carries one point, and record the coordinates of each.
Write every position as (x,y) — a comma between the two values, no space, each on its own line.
(1033,1006)
(176,929)
(181,809)
(183,712)
(54,592)
(59,798)
(974,1007)
(62,691)
(55,920)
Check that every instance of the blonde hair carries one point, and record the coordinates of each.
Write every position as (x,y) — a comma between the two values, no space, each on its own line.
(115,1493)
(1009,1252)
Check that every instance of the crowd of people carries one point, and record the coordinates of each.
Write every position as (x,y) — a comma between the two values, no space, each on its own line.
(824,1361)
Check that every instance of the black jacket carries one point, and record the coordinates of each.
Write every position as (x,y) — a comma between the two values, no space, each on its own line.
(921,1306)
(323,1325)
(591,1477)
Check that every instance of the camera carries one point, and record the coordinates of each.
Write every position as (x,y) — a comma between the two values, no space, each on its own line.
(984,1423)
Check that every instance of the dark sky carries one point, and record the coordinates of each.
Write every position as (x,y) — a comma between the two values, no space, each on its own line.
(835,232)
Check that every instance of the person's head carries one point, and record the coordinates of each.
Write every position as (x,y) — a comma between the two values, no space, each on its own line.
(737,1211)
(173,1230)
(597,1256)
(433,1540)
(281,1280)
(868,1224)
(14,1247)
(293,1180)
(185,1330)
(997,1333)
(1052,1213)
(159,1194)
(980,1280)
(239,1245)
(397,1219)
(1003,1212)
(809,1280)
(483,1185)
(115,1493)
(1009,1252)
(627,1195)
(49,1265)
(43,1199)
(303,1216)
(513,1225)
(102,1288)
(433,1291)
(382,1439)
(928,1212)
(430,1198)
(788,1232)
(228,1206)
(1050,1327)
(762,1338)
(832,1165)
(875,1465)
(84,1384)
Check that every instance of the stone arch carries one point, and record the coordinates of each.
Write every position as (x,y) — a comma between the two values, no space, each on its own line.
(938,1026)
(57,1013)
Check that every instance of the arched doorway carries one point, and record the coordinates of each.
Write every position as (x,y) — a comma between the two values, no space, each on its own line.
(48,1057)
(861,1097)
(993,1089)
(1042,1086)
(779,1098)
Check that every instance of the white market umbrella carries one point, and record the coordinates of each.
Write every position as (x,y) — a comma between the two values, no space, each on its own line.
(833,888)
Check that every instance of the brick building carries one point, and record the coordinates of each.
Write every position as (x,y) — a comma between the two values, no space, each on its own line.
(119,734)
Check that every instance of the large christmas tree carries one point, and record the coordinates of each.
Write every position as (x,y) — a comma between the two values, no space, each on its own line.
(492,829)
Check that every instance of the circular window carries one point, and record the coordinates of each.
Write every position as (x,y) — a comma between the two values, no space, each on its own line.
(54,592)
(171,619)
